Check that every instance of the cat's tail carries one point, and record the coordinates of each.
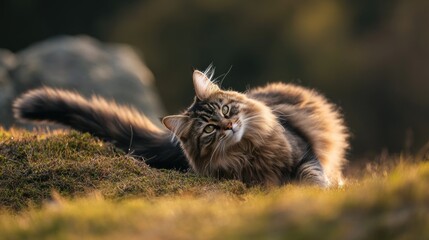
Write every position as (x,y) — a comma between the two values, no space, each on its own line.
(125,127)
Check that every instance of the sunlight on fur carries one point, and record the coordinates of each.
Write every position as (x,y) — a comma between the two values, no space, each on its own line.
(272,135)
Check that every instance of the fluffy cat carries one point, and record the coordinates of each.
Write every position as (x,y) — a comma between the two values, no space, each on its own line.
(272,135)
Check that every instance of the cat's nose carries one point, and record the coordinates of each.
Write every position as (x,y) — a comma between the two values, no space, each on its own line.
(228,126)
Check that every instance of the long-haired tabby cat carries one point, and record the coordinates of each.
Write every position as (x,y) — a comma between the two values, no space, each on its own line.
(271,135)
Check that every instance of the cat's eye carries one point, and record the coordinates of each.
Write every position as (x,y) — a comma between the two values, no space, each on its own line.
(209,129)
(225,110)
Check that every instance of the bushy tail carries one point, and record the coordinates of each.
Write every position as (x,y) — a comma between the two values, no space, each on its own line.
(125,127)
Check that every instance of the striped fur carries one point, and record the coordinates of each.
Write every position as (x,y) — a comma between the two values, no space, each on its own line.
(125,127)
(280,133)
(272,135)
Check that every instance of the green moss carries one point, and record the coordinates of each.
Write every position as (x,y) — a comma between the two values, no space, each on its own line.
(386,209)
(70,186)
(32,165)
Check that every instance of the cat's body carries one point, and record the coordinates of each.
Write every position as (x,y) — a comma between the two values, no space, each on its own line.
(271,135)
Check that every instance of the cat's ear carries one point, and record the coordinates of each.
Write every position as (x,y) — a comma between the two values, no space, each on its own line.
(204,87)
(175,123)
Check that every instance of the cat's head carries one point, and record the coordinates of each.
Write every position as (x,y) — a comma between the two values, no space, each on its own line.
(217,121)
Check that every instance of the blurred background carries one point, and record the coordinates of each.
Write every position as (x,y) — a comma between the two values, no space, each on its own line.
(369,57)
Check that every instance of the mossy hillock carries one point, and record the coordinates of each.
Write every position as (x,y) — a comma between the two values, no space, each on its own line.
(33,165)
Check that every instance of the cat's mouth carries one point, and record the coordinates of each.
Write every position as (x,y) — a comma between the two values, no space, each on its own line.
(236,132)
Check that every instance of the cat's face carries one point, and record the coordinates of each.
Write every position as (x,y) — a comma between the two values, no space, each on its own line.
(216,121)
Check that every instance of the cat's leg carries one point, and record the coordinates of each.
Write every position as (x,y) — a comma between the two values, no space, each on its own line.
(309,171)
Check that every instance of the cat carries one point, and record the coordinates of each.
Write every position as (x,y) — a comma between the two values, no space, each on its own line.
(270,136)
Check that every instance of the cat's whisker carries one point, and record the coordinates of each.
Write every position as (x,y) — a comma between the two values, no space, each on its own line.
(258,121)
(276,109)
(251,117)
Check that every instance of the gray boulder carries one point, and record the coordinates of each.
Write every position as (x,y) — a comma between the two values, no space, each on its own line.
(7,91)
(82,64)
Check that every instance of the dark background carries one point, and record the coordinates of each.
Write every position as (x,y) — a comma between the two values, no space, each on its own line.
(370,57)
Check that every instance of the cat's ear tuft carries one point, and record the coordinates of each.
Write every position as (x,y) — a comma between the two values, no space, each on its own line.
(204,87)
(175,122)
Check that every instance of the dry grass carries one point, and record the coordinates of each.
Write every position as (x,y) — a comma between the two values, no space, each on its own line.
(72,186)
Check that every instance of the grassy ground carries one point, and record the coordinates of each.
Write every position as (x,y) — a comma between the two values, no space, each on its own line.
(67,185)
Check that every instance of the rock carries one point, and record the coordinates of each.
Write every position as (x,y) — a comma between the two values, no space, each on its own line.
(7,91)
(87,66)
